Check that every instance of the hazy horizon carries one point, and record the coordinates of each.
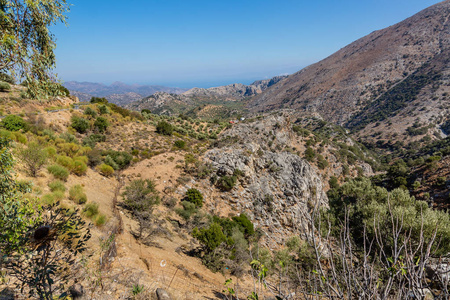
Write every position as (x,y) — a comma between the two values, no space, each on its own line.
(203,44)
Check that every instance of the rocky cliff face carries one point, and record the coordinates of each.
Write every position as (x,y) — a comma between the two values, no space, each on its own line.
(234,91)
(277,190)
(358,74)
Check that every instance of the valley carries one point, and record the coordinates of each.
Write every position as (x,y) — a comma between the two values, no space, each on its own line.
(330,183)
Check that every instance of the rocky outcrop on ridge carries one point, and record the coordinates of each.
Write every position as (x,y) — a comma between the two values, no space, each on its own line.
(277,190)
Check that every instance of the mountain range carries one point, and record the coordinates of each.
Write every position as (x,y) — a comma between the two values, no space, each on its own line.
(118,92)
(384,78)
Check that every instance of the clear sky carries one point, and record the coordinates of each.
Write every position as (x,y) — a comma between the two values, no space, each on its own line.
(187,43)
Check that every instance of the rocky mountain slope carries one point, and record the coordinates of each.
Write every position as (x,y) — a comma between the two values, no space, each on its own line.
(221,98)
(118,92)
(390,71)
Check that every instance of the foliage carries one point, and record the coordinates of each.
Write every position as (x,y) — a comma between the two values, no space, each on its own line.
(90,209)
(59,172)
(34,157)
(210,237)
(101,124)
(37,245)
(105,170)
(226,183)
(140,195)
(14,123)
(4,87)
(164,128)
(7,78)
(310,154)
(103,109)
(194,196)
(99,100)
(81,125)
(180,144)
(77,194)
(27,49)
(57,185)
(90,112)
(187,211)
(366,203)
(117,159)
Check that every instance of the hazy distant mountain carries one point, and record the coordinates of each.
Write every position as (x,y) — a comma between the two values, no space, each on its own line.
(222,100)
(388,79)
(118,92)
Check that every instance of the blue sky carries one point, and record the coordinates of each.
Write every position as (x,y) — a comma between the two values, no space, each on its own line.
(189,43)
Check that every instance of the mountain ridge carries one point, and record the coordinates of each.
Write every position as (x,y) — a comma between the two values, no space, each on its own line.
(343,84)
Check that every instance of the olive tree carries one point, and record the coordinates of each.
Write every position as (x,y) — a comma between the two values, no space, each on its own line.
(26,43)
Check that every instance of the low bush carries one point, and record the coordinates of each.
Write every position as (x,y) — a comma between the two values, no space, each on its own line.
(7,78)
(57,185)
(4,87)
(180,144)
(101,124)
(77,194)
(226,183)
(100,220)
(14,123)
(59,172)
(90,209)
(105,170)
(79,167)
(194,196)
(80,125)
(140,195)
(164,128)
(90,112)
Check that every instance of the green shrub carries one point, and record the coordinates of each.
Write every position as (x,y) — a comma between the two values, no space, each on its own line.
(103,109)
(164,128)
(14,123)
(7,78)
(57,185)
(99,100)
(34,157)
(105,170)
(310,154)
(65,161)
(79,167)
(180,144)
(101,124)
(187,211)
(59,172)
(48,199)
(226,183)
(210,237)
(77,194)
(58,195)
(140,195)
(100,220)
(79,124)
(120,158)
(194,196)
(4,87)
(110,162)
(93,139)
(90,209)
(90,112)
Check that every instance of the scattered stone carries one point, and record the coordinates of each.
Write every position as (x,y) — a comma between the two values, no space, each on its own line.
(162,294)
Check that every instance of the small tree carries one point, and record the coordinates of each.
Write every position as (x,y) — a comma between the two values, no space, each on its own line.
(164,128)
(27,44)
(34,157)
(194,196)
